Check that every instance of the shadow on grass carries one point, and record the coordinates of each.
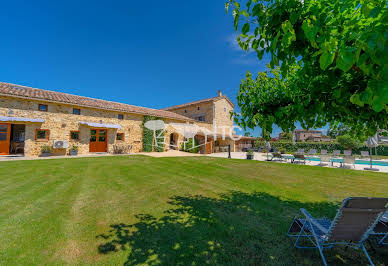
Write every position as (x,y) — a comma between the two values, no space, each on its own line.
(235,229)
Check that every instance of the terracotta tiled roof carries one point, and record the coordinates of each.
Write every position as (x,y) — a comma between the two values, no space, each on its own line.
(60,97)
(214,99)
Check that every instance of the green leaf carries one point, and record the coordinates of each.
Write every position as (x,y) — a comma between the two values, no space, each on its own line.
(236,16)
(294,17)
(256,31)
(326,59)
(309,30)
(260,54)
(374,12)
(377,106)
(227,7)
(346,58)
(244,13)
(245,28)
(255,44)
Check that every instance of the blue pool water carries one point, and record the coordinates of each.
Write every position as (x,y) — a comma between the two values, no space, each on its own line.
(358,161)
(339,160)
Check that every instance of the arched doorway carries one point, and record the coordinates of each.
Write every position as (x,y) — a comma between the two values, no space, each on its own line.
(173,141)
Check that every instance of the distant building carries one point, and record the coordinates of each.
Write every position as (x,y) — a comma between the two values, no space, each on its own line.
(302,135)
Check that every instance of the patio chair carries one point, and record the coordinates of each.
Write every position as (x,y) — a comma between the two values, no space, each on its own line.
(300,151)
(299,158)
(352,225)
(381,229)
(312,151)
(323,152)
(364,154)
(336,152)
(349,160)
(277,156)
(348,152)
(324,160)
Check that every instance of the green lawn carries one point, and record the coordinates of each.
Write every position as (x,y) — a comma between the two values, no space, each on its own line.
(192,210)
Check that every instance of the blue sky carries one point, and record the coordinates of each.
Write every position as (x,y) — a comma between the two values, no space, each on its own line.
(148,53)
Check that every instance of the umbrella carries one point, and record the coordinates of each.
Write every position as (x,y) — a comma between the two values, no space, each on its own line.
(372,142)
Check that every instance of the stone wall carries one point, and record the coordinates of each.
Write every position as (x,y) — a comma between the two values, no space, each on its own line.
(192,111)
(60,120)
(222,109)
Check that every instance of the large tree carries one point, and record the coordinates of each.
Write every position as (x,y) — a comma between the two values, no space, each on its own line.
(328,63)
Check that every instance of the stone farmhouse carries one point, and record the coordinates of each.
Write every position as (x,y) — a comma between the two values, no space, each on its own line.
(31,118)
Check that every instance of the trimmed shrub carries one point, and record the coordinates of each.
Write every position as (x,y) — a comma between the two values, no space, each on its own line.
(348,142)
(329,146)
(188,146)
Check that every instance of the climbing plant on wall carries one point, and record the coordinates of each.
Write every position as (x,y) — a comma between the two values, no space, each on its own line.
(148,137)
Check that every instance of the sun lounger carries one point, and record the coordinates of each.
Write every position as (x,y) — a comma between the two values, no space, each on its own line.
(364,154)
(352,225)
(299,158)
(336,152)
(349,160)
(276,156)
(324,160)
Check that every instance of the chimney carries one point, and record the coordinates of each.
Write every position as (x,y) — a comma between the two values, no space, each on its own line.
(219,93)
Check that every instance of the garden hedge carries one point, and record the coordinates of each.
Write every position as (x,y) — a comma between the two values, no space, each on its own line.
(287,146)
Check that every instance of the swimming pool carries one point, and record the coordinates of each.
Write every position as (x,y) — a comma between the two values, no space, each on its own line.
(358,161)
(340,160)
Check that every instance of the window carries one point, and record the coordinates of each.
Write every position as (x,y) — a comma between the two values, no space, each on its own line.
(74,135)
(224,109)
(200,118)
(120,136)
(43,107)
(42,134)
(120,116)
(198,108)
(76,111)
(185,111)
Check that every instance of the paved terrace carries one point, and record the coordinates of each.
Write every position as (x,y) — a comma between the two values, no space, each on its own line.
(258,156)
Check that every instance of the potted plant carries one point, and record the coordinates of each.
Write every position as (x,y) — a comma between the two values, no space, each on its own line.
(73,150)
(45,151)
(250,155)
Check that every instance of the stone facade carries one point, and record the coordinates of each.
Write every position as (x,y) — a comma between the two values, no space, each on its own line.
(60,121)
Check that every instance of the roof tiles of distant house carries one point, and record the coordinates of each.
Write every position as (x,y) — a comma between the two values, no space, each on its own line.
(8,89)
(214,99)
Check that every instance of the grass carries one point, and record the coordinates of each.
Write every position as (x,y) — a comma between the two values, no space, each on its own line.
(192,210)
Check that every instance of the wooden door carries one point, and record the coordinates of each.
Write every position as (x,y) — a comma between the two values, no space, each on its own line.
(5,135)
(208,147)
(98,140)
